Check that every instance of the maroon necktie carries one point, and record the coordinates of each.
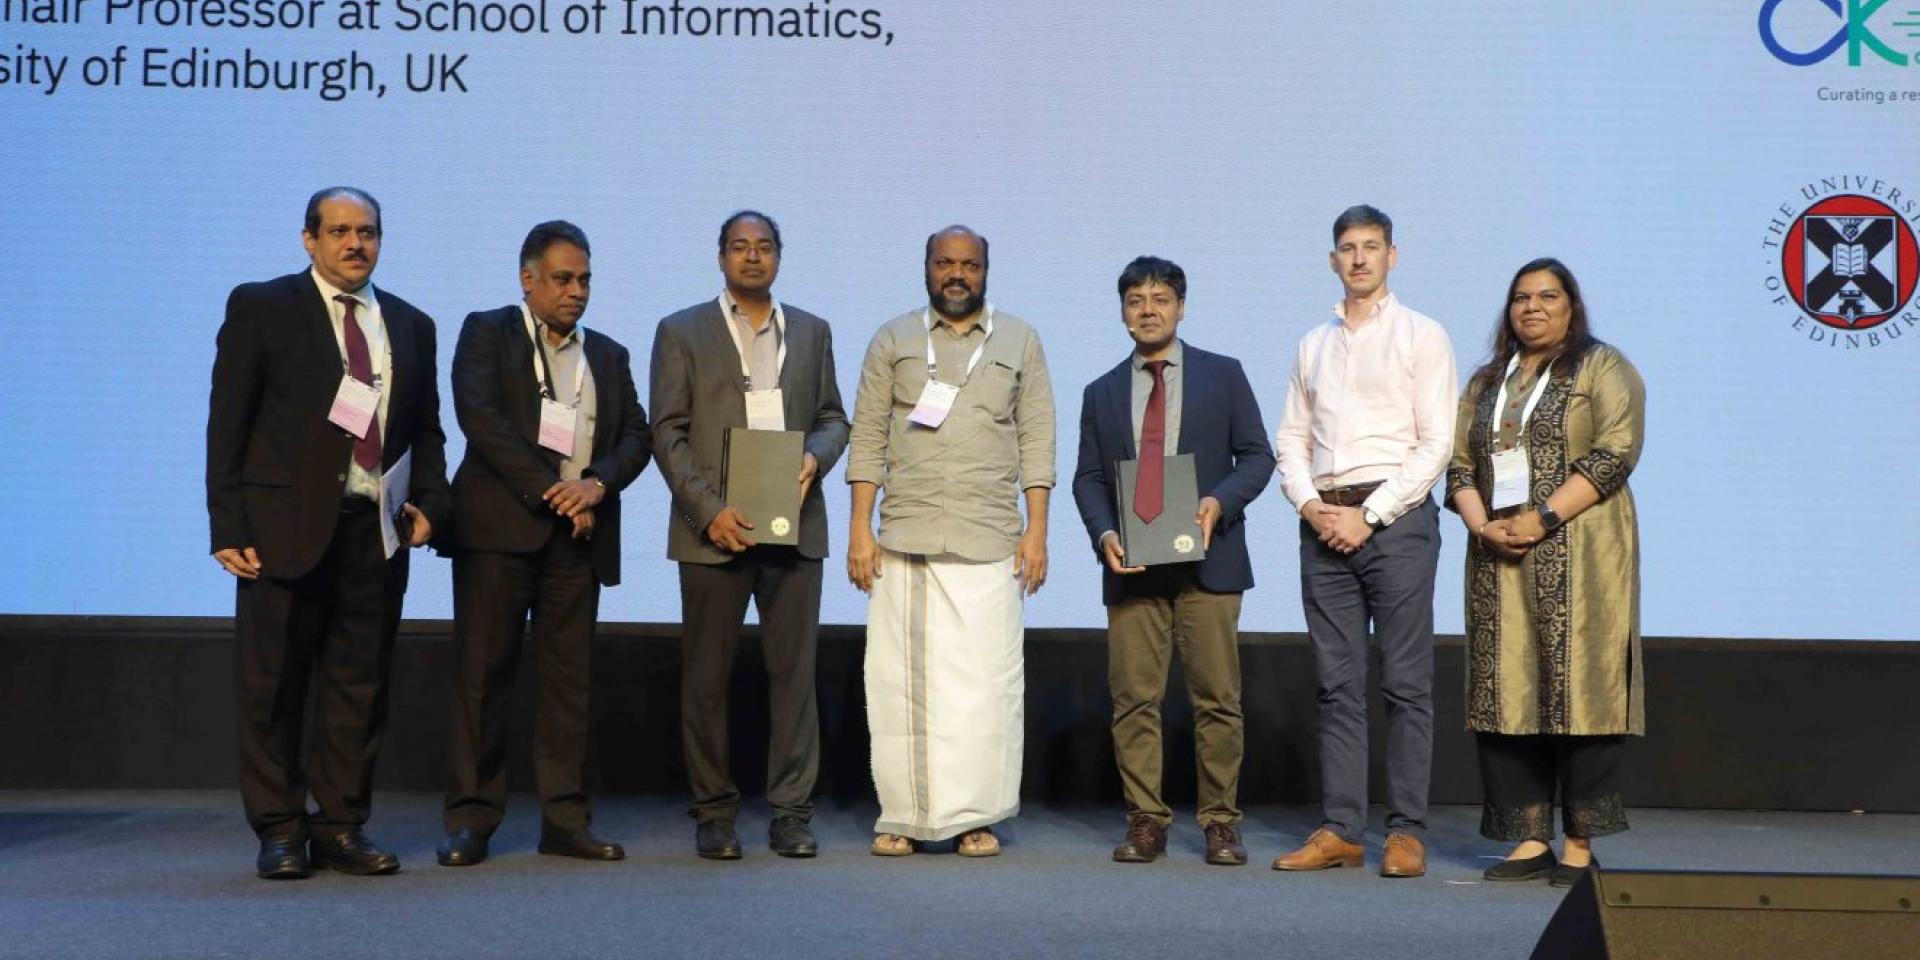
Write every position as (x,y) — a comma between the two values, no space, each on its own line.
(1150,490)
(366,450)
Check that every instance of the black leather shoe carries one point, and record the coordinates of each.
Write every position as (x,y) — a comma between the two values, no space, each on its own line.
(351,851)
(463,848)
(791,837)
(1223,846)
(1524,868)
(1146,841)
(580,844)
(715,840)
(282,858)
(1565,876)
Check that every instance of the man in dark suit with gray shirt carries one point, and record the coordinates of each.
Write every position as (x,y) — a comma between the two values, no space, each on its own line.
(745,360)
(555,432)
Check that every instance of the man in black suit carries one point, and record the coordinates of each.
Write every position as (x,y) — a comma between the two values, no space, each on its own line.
(554,432)
(711,363)
(322,388)
(1172,398)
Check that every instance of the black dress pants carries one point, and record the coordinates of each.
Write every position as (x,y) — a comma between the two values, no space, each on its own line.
(339,621)
(493,595)
(785,587)
(1521,775)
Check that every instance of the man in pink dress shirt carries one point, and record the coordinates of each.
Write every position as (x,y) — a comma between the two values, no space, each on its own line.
(1367,430)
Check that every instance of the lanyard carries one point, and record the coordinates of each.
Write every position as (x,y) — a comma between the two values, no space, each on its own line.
(543,365)
(933,366)
(728,308)
(1533,399)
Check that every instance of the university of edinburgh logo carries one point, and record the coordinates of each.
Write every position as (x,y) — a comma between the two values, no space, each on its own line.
(1845,260)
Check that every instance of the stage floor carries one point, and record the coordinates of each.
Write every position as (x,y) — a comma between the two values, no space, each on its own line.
(169,874)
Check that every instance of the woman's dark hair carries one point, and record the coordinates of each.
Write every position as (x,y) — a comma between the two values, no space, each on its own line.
(1505,344)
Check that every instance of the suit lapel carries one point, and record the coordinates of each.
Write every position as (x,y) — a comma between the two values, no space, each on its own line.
(318,327)
(1120,405)
(720,328)
(600,364)
(401,346)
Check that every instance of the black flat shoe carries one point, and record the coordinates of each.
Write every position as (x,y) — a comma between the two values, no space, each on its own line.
(1529,868)
(791,837)
(282,858)
(715,840)
(580,845)
(351,851)
(463,848)
(1565,876)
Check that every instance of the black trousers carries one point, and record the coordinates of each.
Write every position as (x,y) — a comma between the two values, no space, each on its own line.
(785,587)
(338,621)
(493,595)
(1521,774)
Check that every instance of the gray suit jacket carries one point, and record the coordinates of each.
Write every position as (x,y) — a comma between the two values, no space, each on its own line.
(697,393)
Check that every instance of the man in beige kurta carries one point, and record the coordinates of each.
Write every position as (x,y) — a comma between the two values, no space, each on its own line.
(954,421)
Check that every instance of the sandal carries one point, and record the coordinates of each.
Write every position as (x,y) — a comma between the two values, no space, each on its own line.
(978,843)
(891,845)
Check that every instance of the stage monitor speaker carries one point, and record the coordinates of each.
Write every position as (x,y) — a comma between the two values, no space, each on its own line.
(1663,914)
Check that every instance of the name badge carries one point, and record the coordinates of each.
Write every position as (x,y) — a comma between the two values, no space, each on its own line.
(556,426)
(936,401)
(354,406)
(1510,478)
(766,410)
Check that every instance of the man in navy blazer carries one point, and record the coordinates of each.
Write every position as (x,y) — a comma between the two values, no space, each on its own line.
(1186,401)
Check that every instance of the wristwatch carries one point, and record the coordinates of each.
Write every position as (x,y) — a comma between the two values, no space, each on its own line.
(1548,518)
(1373,519)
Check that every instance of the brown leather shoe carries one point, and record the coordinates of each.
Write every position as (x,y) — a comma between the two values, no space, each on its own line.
(1146,841)
(1405,856)
(1322,850)
(1223,846)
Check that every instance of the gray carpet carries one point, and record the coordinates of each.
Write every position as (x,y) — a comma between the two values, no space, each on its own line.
(124,874)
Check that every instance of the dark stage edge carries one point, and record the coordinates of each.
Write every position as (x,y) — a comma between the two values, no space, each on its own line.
(107,874)
(148,703)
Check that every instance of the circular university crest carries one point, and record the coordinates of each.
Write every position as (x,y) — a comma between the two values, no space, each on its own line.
(1183,544)
(780,526)
(1850,262)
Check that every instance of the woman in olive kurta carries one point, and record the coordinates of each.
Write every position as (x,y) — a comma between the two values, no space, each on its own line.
(1548,430)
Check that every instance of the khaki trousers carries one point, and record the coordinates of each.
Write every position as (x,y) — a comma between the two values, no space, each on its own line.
(1204,628)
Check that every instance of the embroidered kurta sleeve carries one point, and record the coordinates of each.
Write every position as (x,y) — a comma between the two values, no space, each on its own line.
(1619,402)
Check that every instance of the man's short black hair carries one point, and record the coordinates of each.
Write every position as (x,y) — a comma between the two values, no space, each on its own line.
(739,215)
(329,193)
(1362,215)
(936,235)
(546,235)
(1145,270)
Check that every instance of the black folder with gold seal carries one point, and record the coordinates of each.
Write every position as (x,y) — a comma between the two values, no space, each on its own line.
(1173,536)
(760,470)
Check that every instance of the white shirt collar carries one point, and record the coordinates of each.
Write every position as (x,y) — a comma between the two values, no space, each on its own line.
(328,291)
(1380,308)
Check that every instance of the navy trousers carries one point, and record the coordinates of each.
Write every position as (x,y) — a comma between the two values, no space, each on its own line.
(1388,584)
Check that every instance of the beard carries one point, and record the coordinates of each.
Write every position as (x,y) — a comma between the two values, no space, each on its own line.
(946,304)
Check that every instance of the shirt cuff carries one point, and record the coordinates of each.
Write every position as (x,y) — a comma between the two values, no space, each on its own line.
(1384,506)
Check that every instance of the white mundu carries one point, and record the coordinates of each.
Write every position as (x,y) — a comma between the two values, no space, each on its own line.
(946,684)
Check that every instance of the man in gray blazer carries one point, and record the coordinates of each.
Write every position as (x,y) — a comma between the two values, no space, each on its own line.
(707,360)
